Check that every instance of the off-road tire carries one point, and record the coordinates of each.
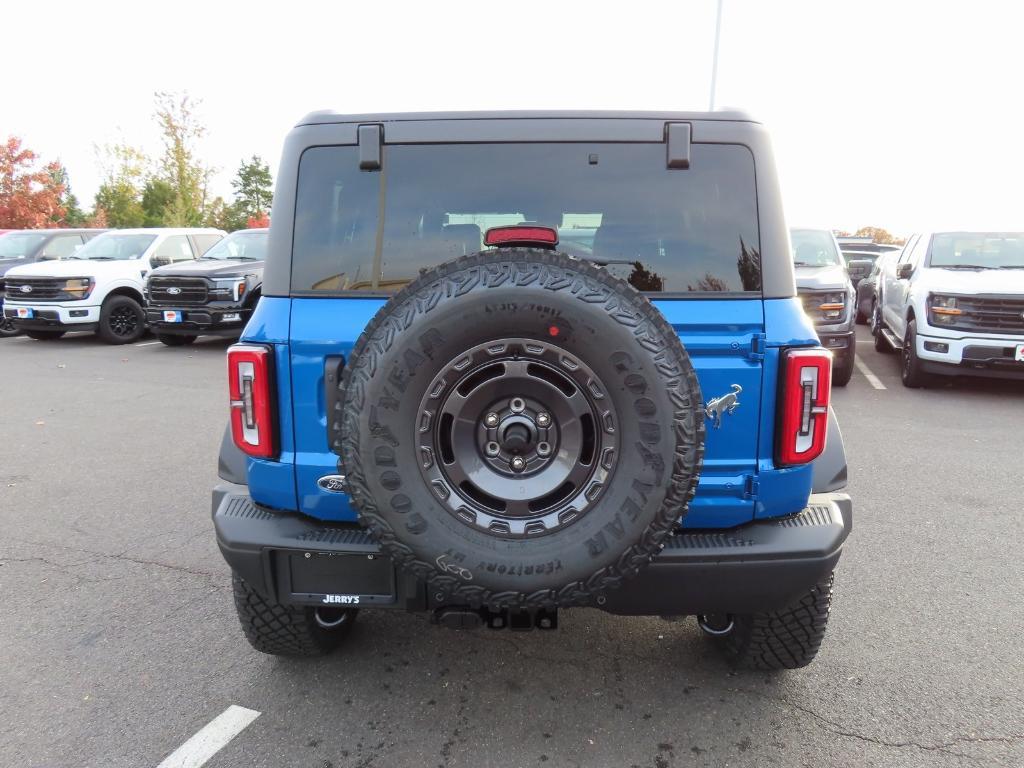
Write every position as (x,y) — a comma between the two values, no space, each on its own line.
(784,639)
(175,340)
(911,373)
(284,630)
(8,328)
(842,373)
(44,335)
(111,330)
(661,435)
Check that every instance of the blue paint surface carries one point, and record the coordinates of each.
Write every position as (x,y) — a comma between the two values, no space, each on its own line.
(729,342)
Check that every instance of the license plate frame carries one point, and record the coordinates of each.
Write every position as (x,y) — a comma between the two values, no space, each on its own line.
(173,316)
(25,313)
(1019,353)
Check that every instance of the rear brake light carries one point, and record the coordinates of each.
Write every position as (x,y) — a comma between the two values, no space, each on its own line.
(249,386)
(805,396)
(521,235)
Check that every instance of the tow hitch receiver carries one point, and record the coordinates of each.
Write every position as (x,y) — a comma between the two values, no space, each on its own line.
(460,617)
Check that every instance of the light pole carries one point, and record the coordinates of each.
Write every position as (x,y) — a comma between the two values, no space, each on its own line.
(714,59)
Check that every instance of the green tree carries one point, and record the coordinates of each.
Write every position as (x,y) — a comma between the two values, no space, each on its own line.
(120,193)
(74,216)
(253,187)
(157,200)
(185,175)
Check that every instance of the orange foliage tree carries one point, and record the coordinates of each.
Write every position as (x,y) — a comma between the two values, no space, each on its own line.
(29,197)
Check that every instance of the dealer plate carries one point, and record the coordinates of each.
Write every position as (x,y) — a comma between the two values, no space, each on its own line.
(172,316)
(1019,357)
(25,312)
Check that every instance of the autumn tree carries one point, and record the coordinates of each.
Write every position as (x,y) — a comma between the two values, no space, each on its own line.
(30,197)
(179,168)
(878,235)
(253,187)
(124,171)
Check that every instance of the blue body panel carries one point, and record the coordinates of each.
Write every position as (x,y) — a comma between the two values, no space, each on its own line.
(729,341)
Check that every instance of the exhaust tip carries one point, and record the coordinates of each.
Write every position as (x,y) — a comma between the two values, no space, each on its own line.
(716,624)
(331,618)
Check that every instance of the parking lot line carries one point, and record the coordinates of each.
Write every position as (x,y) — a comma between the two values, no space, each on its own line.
(211,738)
(147,343)
(873,380)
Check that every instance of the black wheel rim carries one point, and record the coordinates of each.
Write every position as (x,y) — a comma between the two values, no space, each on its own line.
(124,321)
(7,326)
(517,437)
(906,358)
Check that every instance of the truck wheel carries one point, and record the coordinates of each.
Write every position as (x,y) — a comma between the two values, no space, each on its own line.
(174,340)
(784,639)
(122,320)
(911,369)
(7,327)
(881,343)
(44,335)
(288,630)
(520,429)
(842,373)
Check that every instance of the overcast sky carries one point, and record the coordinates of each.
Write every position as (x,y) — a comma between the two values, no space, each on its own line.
(904,115)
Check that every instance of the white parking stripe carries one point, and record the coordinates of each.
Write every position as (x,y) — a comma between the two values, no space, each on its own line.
(213,737)
(873,380)
(147,343)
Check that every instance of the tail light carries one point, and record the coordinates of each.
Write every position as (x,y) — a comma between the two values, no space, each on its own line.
(806,392)
(521,234)
(252,413)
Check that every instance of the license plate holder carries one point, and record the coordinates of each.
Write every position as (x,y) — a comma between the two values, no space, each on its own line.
(1019,354)
(173,316)
(338,580)
(26,313)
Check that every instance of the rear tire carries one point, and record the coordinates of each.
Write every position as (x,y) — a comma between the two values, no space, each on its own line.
(286,630)
(174,340)
(122,320)
(784,639)
(877,326)
(44,335)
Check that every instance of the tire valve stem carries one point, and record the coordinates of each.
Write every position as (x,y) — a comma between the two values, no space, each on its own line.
(518,464)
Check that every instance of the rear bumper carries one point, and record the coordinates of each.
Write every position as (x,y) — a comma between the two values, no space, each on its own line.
(759,566)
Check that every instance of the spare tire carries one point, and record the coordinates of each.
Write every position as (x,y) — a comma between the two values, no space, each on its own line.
(520,429)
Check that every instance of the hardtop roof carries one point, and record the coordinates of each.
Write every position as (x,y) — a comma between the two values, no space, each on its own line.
(323,117)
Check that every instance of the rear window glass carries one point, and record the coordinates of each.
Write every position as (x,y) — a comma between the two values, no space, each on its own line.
(614,204)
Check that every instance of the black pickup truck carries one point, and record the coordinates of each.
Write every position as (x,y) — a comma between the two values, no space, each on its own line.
(213,295)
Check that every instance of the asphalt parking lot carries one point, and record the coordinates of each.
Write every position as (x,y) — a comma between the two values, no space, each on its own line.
(119,640)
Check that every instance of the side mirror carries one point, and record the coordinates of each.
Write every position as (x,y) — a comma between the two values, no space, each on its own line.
(159,262)
(904,271)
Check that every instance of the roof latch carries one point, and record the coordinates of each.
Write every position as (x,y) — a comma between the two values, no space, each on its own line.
(369,147)
(677,139)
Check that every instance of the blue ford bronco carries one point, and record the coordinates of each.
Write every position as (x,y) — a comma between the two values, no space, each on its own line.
(507,363)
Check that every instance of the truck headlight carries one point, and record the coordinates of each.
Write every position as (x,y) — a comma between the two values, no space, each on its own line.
(943,310)
(228,289)
(832,306)
(77,287)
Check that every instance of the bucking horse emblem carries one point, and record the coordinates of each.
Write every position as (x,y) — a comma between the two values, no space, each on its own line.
(719,406)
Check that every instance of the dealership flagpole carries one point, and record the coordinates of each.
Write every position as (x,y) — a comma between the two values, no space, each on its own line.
(714,59)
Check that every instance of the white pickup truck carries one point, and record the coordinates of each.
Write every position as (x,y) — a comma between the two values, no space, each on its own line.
(100,286)
(953,304)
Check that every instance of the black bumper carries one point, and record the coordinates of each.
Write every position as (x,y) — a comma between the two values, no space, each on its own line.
(199,320)
(841,343)
(991,369)
(759,566)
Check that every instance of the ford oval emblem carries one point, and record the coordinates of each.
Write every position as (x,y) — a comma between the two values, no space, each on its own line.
(174,290)
(26,289)
(333,483)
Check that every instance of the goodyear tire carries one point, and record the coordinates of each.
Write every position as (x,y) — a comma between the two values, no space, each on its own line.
(520,429)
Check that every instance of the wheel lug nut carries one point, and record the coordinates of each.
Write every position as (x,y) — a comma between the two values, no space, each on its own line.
(518,463)
(491,419)
(518,405)
(543,419)
(492,449)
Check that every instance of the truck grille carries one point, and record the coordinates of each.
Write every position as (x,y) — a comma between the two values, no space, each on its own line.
(990,314)
(39,288)
(177,290)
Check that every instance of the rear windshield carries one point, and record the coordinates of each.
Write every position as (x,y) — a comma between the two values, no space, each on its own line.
(616,205)
(813,248)
(978,250)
